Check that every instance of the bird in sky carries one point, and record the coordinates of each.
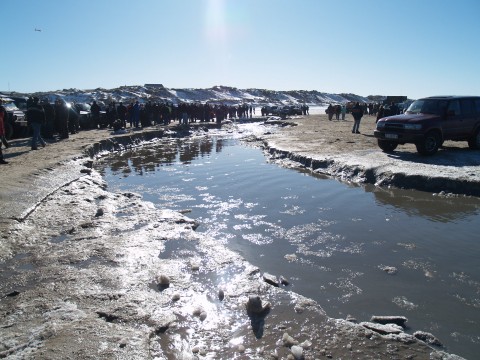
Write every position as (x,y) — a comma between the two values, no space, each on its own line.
(38,29)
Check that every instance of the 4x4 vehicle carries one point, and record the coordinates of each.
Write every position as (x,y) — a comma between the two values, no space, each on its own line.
(292,110)
(428,122)
(16,124)
(84,113)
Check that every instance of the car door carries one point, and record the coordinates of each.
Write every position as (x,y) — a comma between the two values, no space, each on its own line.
(452,124)
(468,118)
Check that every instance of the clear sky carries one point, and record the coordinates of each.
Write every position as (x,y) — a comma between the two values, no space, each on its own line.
(371,47)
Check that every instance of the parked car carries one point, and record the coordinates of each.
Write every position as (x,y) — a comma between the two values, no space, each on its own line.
(85,120)
(16,124)
(428,122)
(292,110)
(20,102)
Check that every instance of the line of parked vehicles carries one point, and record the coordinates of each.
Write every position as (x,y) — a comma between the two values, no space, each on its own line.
(287,110)
(16,125)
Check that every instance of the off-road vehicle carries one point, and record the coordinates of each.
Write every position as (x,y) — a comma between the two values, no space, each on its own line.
(15,124)
(428,122)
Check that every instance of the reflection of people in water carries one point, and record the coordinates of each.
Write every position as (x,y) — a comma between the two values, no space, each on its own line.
(418,203)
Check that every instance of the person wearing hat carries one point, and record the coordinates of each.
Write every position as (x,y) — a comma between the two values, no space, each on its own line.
(3,140)
(36,118)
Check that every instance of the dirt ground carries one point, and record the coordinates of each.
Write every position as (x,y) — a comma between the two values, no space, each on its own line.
(329,147)
(83,275)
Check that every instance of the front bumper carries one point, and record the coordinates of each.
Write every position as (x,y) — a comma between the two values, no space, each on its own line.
(401,138)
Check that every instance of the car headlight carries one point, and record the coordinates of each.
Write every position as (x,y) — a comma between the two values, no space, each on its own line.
(380,125)
(412,127)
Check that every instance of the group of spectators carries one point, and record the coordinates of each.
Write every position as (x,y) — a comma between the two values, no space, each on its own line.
(336,110)
(46,119)
(358,110)
(374,109)
(63,119)
(137,114)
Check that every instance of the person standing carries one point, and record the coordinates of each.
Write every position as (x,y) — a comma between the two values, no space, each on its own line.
(357,114)
(61,118)
(380,113)
(136,114)
(95,111)
(330,112)
(122,114)
(3,140)
(338,110)
(36,118)
(344,111)
(49,128)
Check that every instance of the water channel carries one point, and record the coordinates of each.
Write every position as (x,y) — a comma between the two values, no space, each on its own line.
(357,250)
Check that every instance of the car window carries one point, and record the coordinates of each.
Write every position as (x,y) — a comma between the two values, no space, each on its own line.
(454,107)
(427,106)
(467,107)
(10,106)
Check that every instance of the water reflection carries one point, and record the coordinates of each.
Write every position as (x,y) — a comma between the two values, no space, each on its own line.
(435,207)
(149,159)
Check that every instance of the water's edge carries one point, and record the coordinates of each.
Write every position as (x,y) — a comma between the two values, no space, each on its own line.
(376,176)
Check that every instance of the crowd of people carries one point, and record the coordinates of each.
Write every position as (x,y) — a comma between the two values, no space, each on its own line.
(358,110)
(62,119)
(137,114)
(373,109)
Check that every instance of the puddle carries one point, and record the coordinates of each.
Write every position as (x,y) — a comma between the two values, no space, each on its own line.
(329,238)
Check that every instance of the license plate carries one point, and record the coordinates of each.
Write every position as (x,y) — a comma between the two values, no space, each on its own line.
(391,136)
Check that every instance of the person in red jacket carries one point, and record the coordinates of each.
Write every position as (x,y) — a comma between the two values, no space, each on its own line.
(3,140)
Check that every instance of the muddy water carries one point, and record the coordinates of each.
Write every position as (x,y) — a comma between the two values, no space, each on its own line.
(358,251)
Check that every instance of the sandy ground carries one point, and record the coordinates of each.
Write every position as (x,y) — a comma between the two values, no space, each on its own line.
(329,147)
(91,274)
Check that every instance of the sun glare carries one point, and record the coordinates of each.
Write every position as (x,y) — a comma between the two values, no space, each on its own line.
(215,21)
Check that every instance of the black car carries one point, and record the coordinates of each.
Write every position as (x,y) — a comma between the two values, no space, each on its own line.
(428,122)
(85,120)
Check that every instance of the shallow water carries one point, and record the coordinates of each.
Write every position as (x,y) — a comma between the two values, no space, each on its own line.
(333,241)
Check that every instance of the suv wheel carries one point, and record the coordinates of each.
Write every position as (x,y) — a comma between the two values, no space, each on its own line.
(474,141)
(430,144)
(387,146)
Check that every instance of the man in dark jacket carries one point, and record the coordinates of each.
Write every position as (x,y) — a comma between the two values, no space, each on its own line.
(61,118)
(49,128)
(95,110)
(357,114)
(36,118)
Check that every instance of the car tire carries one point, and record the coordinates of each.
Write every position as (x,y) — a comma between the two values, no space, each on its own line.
(474,141)
(387,146)
(430,143)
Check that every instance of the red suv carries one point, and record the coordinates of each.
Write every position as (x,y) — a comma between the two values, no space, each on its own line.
(428,122)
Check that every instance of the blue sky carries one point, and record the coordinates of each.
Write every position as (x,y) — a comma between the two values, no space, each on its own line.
(388,47)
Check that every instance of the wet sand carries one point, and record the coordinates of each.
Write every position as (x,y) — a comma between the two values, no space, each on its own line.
(84,275)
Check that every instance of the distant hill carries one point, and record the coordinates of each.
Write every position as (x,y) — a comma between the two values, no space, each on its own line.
(217,94)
